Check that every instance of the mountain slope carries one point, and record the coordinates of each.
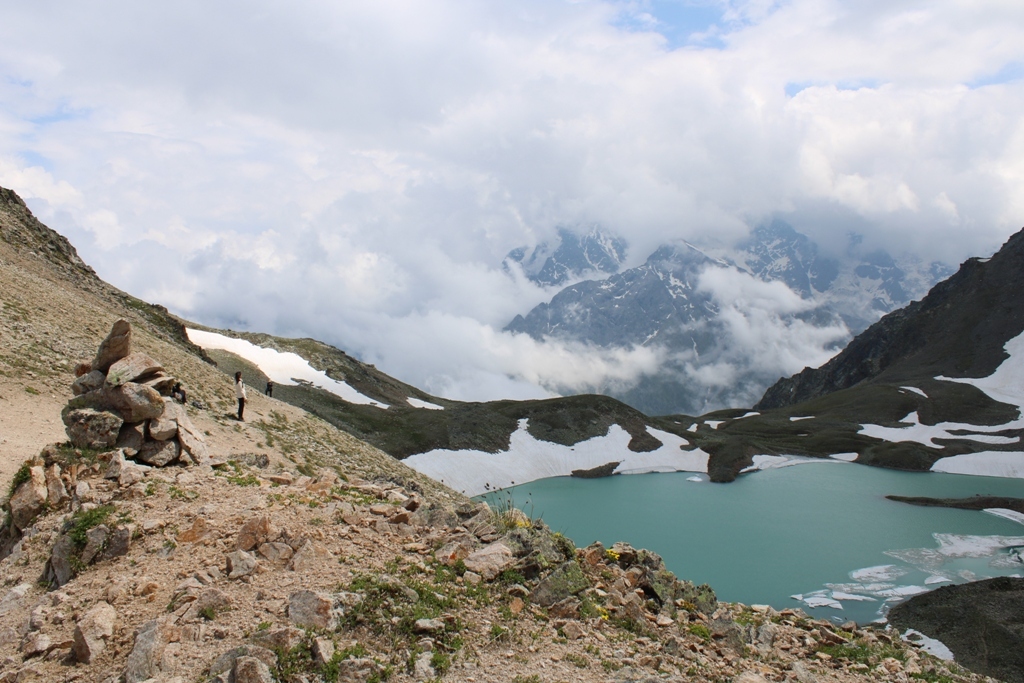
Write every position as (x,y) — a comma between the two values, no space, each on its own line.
(958,330)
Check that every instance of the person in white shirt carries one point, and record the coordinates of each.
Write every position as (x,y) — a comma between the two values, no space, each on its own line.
(240,394)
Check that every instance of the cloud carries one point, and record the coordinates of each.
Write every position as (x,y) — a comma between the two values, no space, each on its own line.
(357,171)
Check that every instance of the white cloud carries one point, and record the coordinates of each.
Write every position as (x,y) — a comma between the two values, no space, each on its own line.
(357,171)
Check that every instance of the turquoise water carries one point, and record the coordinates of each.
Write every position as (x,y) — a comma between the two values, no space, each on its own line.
(777,533)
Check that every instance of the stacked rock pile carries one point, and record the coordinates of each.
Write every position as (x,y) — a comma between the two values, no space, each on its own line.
(122,400)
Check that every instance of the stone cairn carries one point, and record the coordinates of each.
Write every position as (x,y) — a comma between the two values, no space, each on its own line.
(122,401)
(122,408)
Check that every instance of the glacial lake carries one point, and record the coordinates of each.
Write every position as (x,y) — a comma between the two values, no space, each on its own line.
(822,532)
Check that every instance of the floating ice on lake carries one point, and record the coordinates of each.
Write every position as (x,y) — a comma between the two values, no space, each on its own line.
(282,368)
(696,478)
(901,592)
(772,462)
(840,595)
(1011,515)
(936,578)
(879,573)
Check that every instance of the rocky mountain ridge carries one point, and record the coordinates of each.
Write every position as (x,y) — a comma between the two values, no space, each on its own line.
(664,303)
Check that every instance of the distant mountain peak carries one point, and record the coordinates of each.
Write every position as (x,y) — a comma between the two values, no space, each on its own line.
(575,256)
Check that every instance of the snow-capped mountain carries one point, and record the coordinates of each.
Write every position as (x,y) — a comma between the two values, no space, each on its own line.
(724,336)
(575,257)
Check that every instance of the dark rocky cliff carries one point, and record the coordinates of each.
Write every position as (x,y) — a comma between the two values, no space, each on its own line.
(957,330)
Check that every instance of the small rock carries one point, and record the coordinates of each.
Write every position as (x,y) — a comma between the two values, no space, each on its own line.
(472,578)
(29,499)
(323,651)
(159,453)
(450,553)
(116,346)
(308,557)
(133,367)
(239,564)
(90,381)
(226,661)
(567,580)
(93,630)
(430,626)
(490,560)
(195,533)
(119,543)
(35,644)
(573,631)
(151,640)
(285,638)
(310,609)
(251,670)
(14,597)
(277,553)
(254,532)
(423,670)
(56,493)
(131,438)
(95,538)
(90,428)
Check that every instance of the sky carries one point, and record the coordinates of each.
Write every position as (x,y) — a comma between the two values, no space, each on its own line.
(357,171)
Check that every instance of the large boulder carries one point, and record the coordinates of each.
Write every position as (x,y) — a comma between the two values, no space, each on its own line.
(61,567)
(147,655)
(90,381)
(567,580)
(165,426)
(132,368)
(116,346)
(159,453)
(91,428)
(134,402)
(29,499)
(92,632)
(490,560)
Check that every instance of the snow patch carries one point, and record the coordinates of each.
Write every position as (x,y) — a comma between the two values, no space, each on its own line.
(418,403)
(845,457)
(714,423)
(1006,384)
(924,434)
(528,459)
(915,390)
(750,414)
(932,646)
(801,417)
(1007,464)
(284,368)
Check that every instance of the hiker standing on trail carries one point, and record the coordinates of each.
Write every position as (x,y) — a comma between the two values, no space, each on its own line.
(270,388)
(240,394)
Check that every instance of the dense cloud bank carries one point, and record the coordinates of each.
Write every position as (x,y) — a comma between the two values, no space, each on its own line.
(356,172)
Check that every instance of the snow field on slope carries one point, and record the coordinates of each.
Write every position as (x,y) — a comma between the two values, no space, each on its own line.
(281,367)
(528,459)
(1005,385)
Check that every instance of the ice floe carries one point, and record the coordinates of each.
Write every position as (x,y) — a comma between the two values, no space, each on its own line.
(528,459)
(1011,515)
(932,646)
(1009,464)
(419,403)
(924,434)
(935,578)
(773,462)
(284,368)
(878,574)
(840,595)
